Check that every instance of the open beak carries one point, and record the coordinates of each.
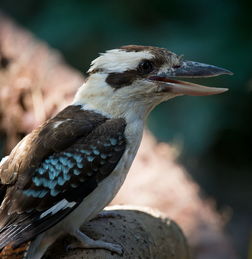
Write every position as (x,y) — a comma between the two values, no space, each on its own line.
(189,69)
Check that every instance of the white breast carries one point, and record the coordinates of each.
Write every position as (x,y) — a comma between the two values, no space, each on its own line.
(107,189)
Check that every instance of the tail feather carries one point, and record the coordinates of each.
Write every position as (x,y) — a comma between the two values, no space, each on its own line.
(20,252)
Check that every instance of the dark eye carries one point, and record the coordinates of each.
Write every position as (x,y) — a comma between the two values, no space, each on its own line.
(145,67)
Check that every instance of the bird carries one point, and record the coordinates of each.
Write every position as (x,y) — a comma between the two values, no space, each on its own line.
(68,169)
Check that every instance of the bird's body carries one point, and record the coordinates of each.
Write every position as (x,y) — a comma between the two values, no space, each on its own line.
(67,170)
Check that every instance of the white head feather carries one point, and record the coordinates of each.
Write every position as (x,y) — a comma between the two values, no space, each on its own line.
(130,102)
(119,60)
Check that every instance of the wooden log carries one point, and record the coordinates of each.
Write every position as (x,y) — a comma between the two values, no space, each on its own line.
(142,232)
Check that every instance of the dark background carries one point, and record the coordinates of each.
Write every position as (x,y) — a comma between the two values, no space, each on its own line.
(214,133)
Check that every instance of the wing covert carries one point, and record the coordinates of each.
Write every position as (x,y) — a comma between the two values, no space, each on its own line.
(60,182)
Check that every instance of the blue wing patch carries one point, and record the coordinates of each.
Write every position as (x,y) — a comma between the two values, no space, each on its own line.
(55,171)
(58,169)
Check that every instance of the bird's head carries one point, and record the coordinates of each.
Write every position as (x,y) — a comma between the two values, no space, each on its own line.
(134,79)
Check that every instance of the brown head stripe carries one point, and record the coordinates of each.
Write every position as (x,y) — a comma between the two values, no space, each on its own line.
(118,80)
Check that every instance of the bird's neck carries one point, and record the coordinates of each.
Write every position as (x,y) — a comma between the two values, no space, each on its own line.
(96,96)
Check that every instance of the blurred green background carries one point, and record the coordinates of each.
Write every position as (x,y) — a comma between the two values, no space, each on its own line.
(214,133)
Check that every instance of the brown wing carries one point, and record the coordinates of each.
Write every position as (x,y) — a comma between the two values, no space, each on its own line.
(46,191)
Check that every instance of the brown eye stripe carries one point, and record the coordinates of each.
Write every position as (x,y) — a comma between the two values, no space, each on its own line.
(118,80)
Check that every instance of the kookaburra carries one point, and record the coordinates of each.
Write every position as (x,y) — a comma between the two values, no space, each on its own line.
(67,170)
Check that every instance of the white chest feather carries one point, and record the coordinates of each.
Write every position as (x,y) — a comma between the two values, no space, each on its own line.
(106,189)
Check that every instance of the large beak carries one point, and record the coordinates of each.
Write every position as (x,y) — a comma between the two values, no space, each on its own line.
(189,69)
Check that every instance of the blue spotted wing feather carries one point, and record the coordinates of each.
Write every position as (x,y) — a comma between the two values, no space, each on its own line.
(64,176)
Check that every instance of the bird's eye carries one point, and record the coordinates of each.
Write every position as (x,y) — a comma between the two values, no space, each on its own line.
(145,67)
